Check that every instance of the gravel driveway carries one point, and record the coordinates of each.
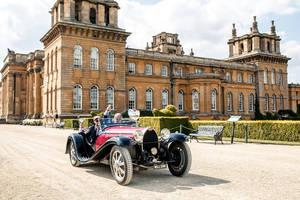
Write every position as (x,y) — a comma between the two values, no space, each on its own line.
(33,166)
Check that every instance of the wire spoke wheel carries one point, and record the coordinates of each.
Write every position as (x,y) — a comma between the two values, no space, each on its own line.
(121,165)
(181,159)
(72,153)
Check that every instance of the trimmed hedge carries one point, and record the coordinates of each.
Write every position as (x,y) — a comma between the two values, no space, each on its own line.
(74,123)
(158,123)
(261,130)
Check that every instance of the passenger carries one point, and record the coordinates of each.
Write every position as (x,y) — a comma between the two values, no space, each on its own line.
(107,113)
(118,118)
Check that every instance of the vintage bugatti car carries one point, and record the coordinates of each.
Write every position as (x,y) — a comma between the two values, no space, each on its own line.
(126,147)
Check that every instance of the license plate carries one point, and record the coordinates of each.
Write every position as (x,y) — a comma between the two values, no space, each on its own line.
(160,166)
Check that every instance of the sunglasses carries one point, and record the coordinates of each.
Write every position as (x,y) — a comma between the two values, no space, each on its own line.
(96,120)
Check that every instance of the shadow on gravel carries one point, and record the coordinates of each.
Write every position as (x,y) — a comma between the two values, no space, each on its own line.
(157,180)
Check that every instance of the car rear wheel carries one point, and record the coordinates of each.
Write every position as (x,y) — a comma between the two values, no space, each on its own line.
(121,165)
(181,159)
(72,153)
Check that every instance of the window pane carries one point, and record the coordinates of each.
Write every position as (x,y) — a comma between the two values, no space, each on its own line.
(164,98)
(94,97)
(149,99)
(132,97)
(148,69)
(110,97)
(77,97)
(213,100)
(180,100)
(110,59)
(195,97)
(131,68)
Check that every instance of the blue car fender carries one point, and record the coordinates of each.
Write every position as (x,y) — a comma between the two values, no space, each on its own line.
(177,137)
(77,140)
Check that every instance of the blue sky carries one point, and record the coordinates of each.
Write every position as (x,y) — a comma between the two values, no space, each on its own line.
(204,25)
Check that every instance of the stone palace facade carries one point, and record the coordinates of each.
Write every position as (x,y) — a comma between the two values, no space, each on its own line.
(85,66)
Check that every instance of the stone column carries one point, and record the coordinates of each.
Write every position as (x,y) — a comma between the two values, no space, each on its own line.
(10,94)
(101,15)
(30,95)
(201,99)
(3,96)
(18,103)
(37,93)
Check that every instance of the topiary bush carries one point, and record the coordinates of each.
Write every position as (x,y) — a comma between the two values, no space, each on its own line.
(158,123)
(169,111)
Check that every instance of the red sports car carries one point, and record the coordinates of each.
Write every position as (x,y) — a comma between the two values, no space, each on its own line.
(124,147)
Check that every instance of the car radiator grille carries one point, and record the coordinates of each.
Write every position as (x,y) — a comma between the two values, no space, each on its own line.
(150,140)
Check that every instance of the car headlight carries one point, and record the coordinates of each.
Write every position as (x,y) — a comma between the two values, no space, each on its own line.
(138,135)
(165,133)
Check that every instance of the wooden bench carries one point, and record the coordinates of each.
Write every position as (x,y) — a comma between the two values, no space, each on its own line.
(208,131)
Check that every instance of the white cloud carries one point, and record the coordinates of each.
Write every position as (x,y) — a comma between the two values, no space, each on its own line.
(204,25)
(292,49)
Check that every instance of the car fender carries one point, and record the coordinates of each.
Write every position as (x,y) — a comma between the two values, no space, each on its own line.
(107,146)
(78,141)
(177,137)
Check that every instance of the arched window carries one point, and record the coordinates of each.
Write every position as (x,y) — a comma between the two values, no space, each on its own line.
(274,103)
(281,102)
(165,97)
(228,76)
(132,98)
(214,100)
(229,101)
(267,103)
(94,58)
(273,76)
(251,102)
(240,77)
(195,99)
(77,57)
(94,97)
(110,60)
(266,76)
(77,97)
(241,102)
(180,100)
(280,80)
(93,15)
(148,99)
(110,97)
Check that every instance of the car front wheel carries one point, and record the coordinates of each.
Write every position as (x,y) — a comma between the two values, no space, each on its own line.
(73,158)
(181,159)
(121,165)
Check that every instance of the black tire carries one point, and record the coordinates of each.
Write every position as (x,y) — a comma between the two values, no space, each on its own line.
(72,154)
(121,165)
(181,154)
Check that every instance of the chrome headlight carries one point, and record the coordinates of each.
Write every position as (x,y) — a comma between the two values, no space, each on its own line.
(138,135)
(165,133)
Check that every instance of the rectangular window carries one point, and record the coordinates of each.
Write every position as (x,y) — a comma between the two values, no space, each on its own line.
(240,77)
(179,71)
(148,70)
(250,78)
(198,71)
(131,69)
(164,71)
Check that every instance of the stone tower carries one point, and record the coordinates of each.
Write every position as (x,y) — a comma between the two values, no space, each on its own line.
(263,50)
(166,43)
(84,49)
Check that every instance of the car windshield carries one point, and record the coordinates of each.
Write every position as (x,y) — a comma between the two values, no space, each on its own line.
(108,122)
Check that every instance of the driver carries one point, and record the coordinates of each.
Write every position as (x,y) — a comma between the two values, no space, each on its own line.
(118,118)
(93,132)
